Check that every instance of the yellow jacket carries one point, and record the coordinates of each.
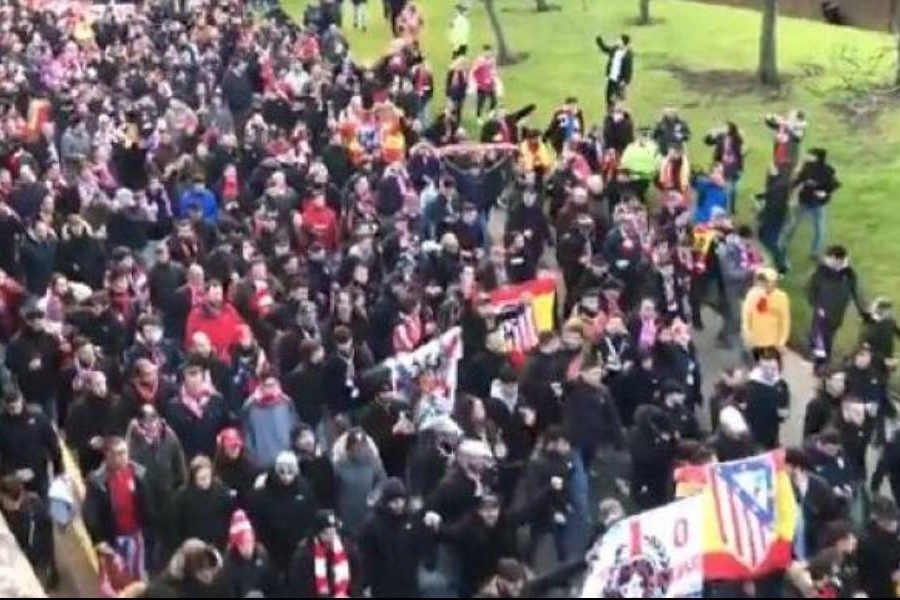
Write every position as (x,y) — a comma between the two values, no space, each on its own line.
(766,318)
(537,157)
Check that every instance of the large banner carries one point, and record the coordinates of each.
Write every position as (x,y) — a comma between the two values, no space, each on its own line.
(656,554)
(432,368)
(752,515)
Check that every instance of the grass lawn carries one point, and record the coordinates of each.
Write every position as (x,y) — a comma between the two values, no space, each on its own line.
(697,39)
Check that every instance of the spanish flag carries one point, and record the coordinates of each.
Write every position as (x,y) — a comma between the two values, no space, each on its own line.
(524,310)
(751,515)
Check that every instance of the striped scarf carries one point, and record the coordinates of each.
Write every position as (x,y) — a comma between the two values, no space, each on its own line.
(337,585)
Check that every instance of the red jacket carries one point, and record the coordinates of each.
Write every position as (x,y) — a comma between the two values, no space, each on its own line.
(321,224)
(222,326)
(484,74)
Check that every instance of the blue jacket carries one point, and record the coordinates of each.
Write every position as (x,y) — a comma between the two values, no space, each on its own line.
(267,429)
(203,198)
(709,196)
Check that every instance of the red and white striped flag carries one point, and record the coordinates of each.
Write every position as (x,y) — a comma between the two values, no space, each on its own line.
(520,330)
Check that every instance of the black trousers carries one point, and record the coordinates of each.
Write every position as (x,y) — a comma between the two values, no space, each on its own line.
(489,98)
(613,93)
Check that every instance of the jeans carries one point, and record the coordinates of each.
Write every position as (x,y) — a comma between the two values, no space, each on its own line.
(817,214)
(769,236)
(731,189)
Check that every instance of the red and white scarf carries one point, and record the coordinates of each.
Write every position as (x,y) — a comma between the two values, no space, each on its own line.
(196,403)
(337,585)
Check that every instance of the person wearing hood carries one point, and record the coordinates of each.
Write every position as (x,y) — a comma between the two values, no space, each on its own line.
(153,445)
(821,411)
(590,416)
(94,417)
(390,545)
(653,443)
(268,419)
(80,255)
(28,444)
(766,313)
(194,571)
(767,399)
(203,507)
(197,413)
(324,564)
(233,466)
(542,378)
(829,292)
(816,182)
(34,358)
(315,465)
(283,509)
(248,570)
(358,472)
(217,318)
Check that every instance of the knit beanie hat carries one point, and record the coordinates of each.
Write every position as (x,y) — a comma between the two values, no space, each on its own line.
(241,530)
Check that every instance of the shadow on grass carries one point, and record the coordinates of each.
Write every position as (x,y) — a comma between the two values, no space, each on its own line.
(714,84)
(531,10)
(636,22)
(515,59)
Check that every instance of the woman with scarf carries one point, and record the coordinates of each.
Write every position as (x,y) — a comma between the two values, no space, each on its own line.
(203,507)
(197,413)
(153,445)
(268,418)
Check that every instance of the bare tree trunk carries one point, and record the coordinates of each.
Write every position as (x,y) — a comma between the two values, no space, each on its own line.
(644,18)
(897,81)
(542,6)
(768,44)
(504,56)
(896,22)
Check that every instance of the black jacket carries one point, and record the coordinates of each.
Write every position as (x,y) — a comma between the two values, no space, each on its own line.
(33,530)
(28,441)
(197,435)
(257,573)
(38,258)
(98,510)
(653,446)
(626,70)
(878,557)
(762,412)
(300,582)
(319,473)
(390,548)
(306,387)
(163,280)
(34,359)
(590,416)
(454,497)
(510,124)
(204,514)
(82,258)
(831,291)
(816,176)
(540,377)
(92,416)
(634,388)
(820,413)
(282,515)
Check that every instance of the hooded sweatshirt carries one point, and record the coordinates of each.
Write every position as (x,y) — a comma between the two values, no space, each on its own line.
(766,318)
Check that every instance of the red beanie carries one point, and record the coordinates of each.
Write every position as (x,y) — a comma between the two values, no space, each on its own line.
(241,530)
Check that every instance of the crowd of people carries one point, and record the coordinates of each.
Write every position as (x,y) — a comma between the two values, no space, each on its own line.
(216,226)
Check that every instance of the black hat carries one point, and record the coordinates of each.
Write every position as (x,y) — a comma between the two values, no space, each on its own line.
(392,489)
(325,519)
(508,374)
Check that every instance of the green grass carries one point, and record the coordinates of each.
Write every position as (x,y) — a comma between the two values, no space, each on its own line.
(564,61)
